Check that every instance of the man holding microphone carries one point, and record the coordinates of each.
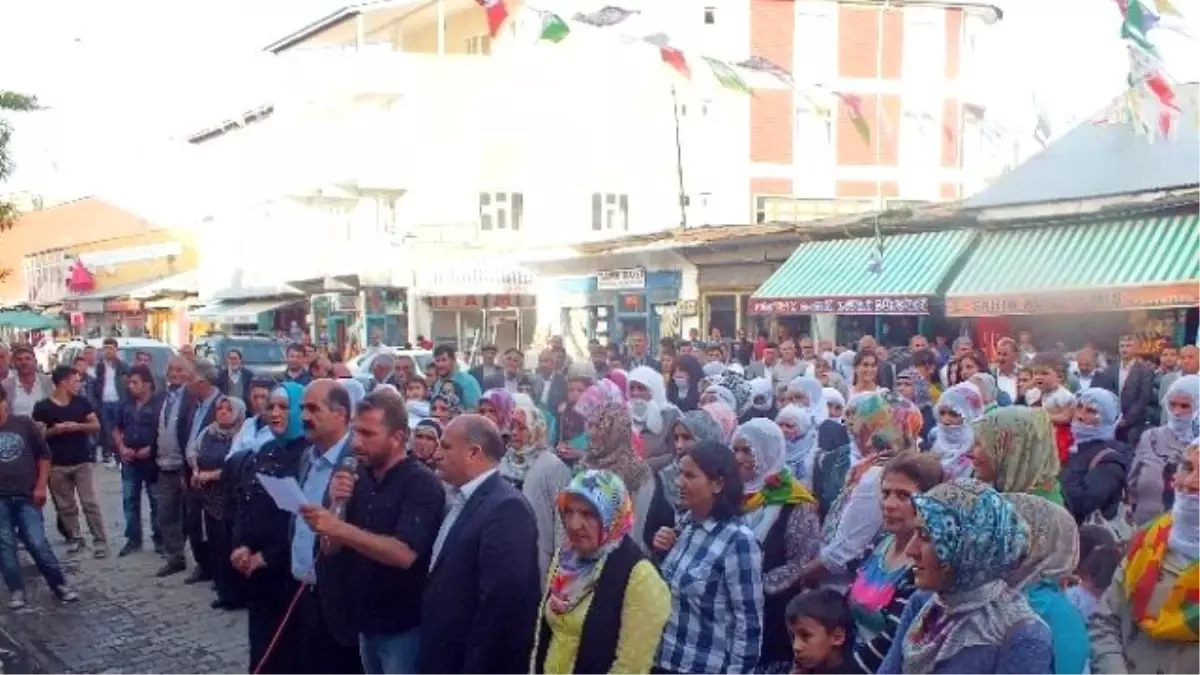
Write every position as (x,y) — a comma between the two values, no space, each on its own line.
(377,535)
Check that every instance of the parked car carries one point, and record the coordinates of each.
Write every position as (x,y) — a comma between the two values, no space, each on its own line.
(361,364)
(263,355)
(160,352)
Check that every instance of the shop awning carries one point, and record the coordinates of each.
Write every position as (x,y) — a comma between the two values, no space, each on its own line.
(832,277)
(1107,266)
(238,312)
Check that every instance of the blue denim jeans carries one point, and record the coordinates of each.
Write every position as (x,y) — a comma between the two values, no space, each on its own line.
(392,654)
(20,518)
(135,478)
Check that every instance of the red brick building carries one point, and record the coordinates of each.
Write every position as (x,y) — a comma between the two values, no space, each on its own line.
(911,66)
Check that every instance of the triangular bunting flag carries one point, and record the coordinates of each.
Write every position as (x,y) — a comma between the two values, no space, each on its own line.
(727,76)
(497,14)
(605,17)
(554,29)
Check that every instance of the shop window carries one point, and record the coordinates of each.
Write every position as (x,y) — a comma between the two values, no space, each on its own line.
(610,212)
(722,314)
(501,211)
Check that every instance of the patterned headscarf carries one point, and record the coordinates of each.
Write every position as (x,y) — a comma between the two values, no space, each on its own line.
(1019,444)
(575,576)
(725,418)
(502,402)
(1109,407)
(610,446)
(594,399)
(978,537)
(921,395)
(1053,542)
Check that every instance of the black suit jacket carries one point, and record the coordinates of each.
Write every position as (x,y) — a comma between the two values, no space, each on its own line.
(481,599)
(1137,396)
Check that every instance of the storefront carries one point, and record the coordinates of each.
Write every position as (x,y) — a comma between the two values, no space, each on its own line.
(828,290)
(614,303)
(1085,282)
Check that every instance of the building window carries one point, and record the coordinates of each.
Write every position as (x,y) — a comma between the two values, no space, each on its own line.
(501,211)
(710,16)
(610,212)
(479,44)
(816,41)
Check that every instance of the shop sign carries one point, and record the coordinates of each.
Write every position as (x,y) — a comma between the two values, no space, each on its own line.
(864,305)
(123,306)
(621,280)
(1076,302)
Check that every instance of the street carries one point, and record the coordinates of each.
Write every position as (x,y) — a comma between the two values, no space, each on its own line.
(126,621)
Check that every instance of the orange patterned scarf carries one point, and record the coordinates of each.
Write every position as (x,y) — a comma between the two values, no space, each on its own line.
(1178,619)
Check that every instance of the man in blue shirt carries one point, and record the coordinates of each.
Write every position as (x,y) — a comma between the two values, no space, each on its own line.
(326,635)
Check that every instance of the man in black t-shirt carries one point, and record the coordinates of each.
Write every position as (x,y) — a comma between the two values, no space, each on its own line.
(69,421)
(24,470)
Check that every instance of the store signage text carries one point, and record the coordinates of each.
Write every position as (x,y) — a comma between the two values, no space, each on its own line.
(1098,300)
(892,304)
(621,280)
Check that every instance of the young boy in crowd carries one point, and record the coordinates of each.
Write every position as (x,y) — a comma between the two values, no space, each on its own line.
(821,626)
(1099,557)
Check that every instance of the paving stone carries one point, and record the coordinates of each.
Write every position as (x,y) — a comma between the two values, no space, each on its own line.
(127,621)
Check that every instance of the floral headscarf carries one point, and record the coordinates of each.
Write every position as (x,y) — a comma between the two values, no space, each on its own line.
(502,401)
(1053,542)
(610,445)
(517,460)
(1019,444)
(921,395)
(978,537)
(1183,427)
(575,576)
(725,417)
(603,394)
(988,390)
(801,451)
(1109,407)
(723,395)
(952,443)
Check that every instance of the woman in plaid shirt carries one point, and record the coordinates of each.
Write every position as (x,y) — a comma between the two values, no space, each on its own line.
(713,567)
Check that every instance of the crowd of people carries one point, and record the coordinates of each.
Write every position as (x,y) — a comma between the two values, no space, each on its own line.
(730,506)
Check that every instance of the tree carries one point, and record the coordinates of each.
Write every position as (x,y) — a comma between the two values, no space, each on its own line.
(10,100)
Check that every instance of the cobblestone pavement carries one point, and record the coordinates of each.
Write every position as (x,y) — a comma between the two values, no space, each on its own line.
(127,621)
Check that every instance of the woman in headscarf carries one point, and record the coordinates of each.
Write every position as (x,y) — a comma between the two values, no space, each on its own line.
(691,428)
(953,438)
(782,514)
(1014,452)
(497,405)
(1093,480)
(533,468)
(652,415)
(445,407)
(965,618)
(683,391)
(206,455)
(762,401)
(799,429)
(884,581)
(881,427)
(605,605)
(1148,490)
(610,448)
(427,436)
(1146,621)
(261,543)
(1052,557)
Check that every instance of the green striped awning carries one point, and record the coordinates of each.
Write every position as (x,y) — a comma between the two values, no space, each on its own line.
(833,276)
(1113,265)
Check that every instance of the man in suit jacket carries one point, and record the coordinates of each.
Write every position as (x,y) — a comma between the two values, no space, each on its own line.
(1135,386)
(483,589)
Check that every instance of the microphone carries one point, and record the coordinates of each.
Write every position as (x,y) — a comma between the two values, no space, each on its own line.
(349,466)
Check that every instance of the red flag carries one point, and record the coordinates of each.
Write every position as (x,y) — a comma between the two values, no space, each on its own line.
(497,14)
(674,58)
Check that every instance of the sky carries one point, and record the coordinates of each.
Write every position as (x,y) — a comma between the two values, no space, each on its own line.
(125,80)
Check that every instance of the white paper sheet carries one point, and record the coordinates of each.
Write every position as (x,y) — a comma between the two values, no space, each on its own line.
(285,491)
